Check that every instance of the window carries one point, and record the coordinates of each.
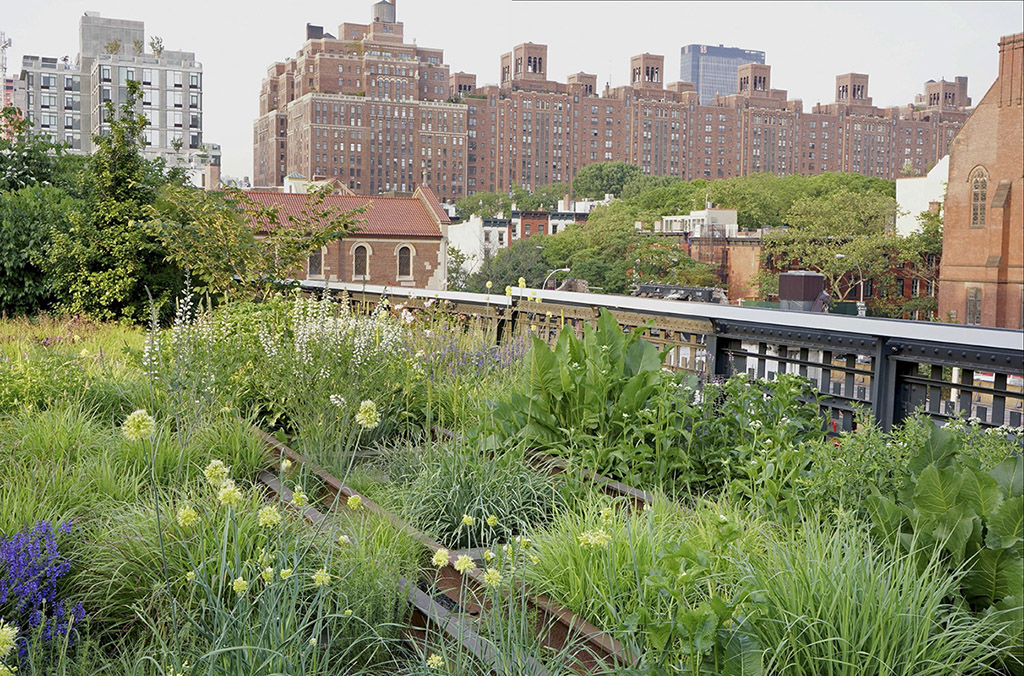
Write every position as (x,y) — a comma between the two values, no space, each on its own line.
(979,188)
(404,262)
(359,255)
(316,264)
(974,306)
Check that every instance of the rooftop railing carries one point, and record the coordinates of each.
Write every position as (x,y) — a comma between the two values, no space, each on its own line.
(890,367)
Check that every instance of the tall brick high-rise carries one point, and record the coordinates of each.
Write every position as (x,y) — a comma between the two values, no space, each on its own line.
(375,112)
(364,107)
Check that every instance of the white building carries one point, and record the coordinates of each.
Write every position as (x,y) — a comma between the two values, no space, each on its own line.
(479,238)
(712,221)
(66,99)
(916,194)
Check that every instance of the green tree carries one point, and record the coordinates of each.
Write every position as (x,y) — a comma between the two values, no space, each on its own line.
(458,276)
(842,235)
(596,180)
(26,217)
(655,261)
(102,261)
(228,239)
(26,158)
(485,204)
(523,258)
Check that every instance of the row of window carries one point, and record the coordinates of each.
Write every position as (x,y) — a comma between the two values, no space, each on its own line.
(361,253)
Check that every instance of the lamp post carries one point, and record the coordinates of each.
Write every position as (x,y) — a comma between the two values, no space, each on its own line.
(861,307)
(545,284)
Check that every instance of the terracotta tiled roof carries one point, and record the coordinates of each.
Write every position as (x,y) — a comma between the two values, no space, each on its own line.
(384,216)
(430,198)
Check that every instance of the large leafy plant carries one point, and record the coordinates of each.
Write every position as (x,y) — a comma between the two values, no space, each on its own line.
(972,518)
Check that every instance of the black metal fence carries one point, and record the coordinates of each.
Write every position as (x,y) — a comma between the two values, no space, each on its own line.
(891,367)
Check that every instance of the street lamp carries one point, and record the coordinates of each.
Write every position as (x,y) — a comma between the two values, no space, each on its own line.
(861,307)
(545,284)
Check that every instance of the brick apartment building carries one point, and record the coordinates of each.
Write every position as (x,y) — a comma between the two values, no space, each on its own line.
(982,280)
(371,109)
(399,241)
(364,107)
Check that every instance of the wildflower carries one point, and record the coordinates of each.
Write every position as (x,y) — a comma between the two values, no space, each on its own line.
(267,574)
(467,520)
(321,577)
(492,520)
(348,613)
(312,641)
(368,416)
(435,661)
(269,517)
(440,559)
(492,578)
(354,502)
(190,575)
(607,514)
(522,282)
(84,353)
(489,284)
(344,539)
(286,573)
(299,497)
(139,425)
(533,327)
(240,585)
(337,400)
(523,542)
(216,473)
(8,634)
(229,494)
(187,517)
(533,559)
(508,290)
(464,564)
(595,539)
(488,555)
(286,465)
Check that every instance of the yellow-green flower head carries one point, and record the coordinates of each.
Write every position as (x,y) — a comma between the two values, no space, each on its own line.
(187,517)
(508,290)
(488,555)
(344,539)
(492,520)
(299,497)
(286,465)
(607,514)
(6,670)
(190,575)
(522,282)
(267,574)
(523,541)
(435,661)
(286,573)
(8,634)
(240,585)
(467,520)
(139,425)
(440,559)
(321,577)
(269,517)
(216,473)
(595,539)
(347,613)
(464,564)
(492,578)
(489,284)
(368,416)
(354,502)
(229,494)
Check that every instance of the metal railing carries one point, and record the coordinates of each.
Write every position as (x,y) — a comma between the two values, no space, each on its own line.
(891,367)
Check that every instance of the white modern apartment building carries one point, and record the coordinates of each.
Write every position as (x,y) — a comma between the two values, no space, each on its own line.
(67,99)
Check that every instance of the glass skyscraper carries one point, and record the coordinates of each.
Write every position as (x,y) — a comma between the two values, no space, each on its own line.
(713,69)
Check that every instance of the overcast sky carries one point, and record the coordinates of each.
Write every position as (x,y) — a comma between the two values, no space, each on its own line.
(900,45)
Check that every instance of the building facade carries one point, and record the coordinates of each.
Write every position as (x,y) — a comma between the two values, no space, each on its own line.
(364,107)
(66,99)
(982,277)
(713,69)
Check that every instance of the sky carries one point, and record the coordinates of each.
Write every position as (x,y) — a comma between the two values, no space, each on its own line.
(900,45)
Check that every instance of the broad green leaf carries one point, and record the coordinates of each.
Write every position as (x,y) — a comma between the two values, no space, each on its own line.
(1006,526)
(937,490)
(544,375)
(939,448)
(995,575)
(954,529)
(885,515)
(743,655)
(1010,476)
(981,492)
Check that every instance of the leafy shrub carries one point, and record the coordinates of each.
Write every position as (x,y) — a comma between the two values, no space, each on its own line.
(952,510)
